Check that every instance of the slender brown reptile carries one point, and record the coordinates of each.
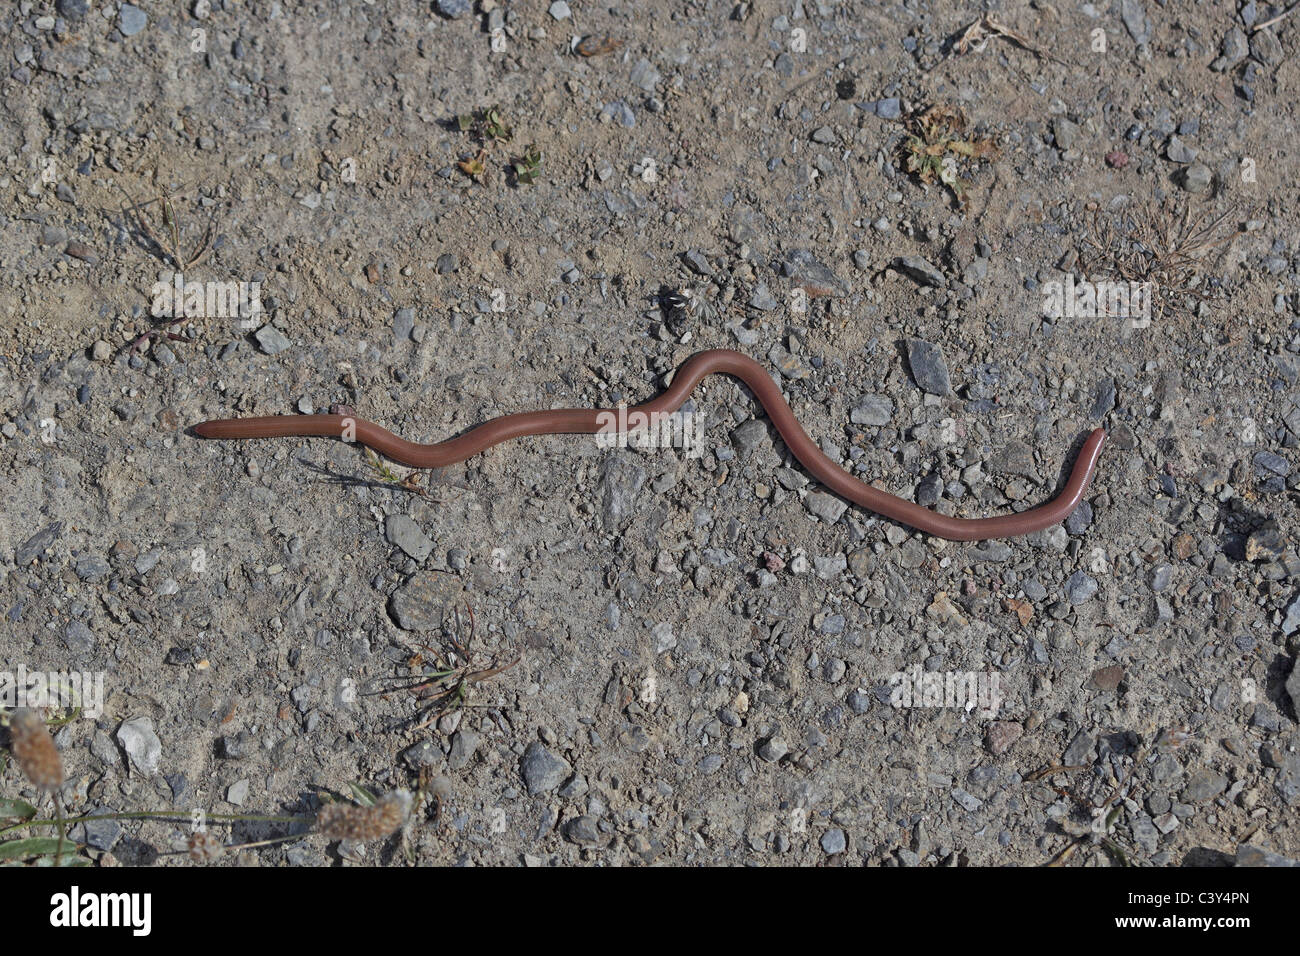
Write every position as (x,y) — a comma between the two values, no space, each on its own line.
(592,421)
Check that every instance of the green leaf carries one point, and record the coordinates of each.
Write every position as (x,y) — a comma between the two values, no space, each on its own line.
(16,809)
(362,795)
(33,846)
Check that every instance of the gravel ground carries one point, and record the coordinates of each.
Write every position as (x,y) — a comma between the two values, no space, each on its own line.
(705,649)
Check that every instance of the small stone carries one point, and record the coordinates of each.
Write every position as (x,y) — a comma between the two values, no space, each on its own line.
(271,340)
(918,269)
(697,263)
(79,639)
(813,276)
(942,609)
(833,842)
(1265,544)
(929,369)
(1179,152)
(1265,47)
(1293,685)
(463,744)
(992,551)
(422,601)
(1196,178)
(1134,15)
(141,744)
(402,531)
(1204,785)
(1080,750)
(1269,463)
(101,834)
(748,437)
(583,831)
(621,480)
(1234,48)
(1001,734)
(72,9)
(762,299)
(876,410)
(454,9)
(1258,856)
(403,323)
(131,20)
(1066,133)
(929,490)
(1080,587)
(645,77)
(79,250)
(422,754)
(830,508)
(621,113)
(891,107)
(542,770)
(91,568)
(1080,519)
(773,749)
(36,546)
(1108,678)
(833,670)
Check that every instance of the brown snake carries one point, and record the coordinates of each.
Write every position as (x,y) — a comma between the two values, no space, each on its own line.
(592,421)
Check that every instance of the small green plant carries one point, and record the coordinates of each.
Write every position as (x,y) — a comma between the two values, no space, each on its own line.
(488,124)
(410,483)
(529,166)
(489,128)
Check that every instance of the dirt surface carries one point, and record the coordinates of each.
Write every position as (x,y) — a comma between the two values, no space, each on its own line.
(705,650)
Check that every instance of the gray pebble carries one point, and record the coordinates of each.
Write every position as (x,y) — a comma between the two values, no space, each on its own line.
(830,508)
(454,9)
(79,639)
(929,369)
(403,323)
(1204,785)
(773,749)
(131,20)
(1196,178)
(271,340)
(1134,15)
(1080,587)
(142,746)
(402,531)
(542,770)
(35,546)
(876,410)
(463,745)
(1179,152)
(919,270)
(1080,519)
(748,437)
(833,842)
(91,568)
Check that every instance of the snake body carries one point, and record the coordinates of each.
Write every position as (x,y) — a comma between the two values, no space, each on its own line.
(593,421)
